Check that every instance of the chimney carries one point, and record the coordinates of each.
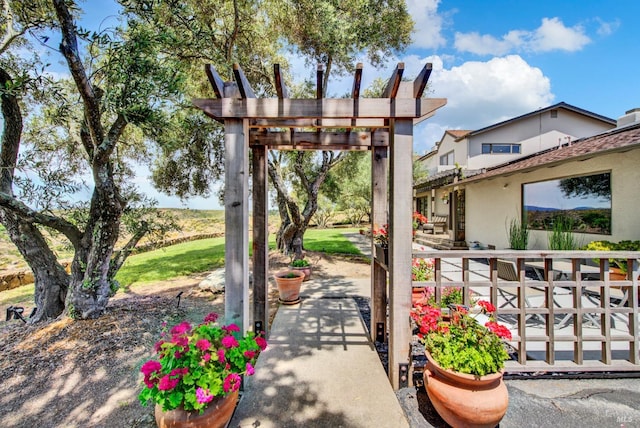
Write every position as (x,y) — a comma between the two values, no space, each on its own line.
(630,117)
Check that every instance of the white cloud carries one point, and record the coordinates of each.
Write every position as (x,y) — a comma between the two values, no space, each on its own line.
(607,28)
(428,23)
(551,35)
(480,94)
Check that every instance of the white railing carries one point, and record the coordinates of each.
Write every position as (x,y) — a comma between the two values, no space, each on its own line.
(566,314)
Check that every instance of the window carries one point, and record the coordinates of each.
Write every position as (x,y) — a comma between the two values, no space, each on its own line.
(500,148)
(447,159)
(582,204)
(553,114)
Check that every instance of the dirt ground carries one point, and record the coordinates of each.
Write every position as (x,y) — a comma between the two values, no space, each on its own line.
(68,373)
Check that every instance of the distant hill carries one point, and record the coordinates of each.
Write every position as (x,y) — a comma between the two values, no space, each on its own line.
(535,208)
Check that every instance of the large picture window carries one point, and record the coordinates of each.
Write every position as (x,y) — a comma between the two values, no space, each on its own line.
(583,203)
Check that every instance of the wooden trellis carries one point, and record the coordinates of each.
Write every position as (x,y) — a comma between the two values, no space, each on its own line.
(384,126)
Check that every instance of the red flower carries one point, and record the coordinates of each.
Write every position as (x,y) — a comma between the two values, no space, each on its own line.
(499,330)
(150,367)
(231,327)
(249,354)
(261,343)
(231,382)
(167,383)
(486,306)
(212,317)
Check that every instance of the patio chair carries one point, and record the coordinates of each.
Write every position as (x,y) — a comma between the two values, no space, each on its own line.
(508,271)
(617,298)
(439,221)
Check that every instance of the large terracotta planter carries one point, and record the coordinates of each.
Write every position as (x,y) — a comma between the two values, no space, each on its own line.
(289,283)
(216,415)
(463,400)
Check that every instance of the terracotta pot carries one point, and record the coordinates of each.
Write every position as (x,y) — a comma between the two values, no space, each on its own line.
(289,288)
(464,400)
(216,415)
(417,295)
(617,274)
(305,269)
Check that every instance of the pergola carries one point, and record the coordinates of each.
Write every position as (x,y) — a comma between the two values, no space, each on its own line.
(383,126)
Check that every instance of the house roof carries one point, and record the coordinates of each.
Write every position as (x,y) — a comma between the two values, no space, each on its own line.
(561,105)
(458,133)
(615,140)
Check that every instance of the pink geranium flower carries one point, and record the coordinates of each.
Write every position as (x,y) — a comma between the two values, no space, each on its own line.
(229,342)
(203,396)
(231,382)
(250,370)
(203,344)
(195,364)
(261,343)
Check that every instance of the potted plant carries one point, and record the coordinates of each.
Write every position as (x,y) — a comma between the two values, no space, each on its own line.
(289,283)
(463,376)
(381,244)
(418,220)
(302,265)
(618,267)
(195,378)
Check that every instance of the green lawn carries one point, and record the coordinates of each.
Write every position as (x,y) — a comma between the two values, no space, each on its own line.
(208,254)
(170,262)
(195,257)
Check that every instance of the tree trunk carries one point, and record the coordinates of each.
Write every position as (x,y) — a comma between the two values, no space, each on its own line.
(294,223)
(51,281)
(91,285)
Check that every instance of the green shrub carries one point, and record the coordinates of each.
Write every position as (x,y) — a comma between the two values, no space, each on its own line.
(561,236)
(518,235)
(625,245)
(300,263)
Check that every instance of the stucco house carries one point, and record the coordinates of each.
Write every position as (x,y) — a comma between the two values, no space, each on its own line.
(592,180)
(463,154)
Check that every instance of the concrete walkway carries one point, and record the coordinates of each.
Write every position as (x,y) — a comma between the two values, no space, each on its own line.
(320,369)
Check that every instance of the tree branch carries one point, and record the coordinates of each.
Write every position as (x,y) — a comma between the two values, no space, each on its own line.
(31,216)
(10,34)
(121,255)
(69,48)
(11,135)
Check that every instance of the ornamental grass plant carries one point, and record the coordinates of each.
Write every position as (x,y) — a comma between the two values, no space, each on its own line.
(196,364)
(458,342)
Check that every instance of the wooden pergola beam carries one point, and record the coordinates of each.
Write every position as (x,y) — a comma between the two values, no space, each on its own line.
(319,82)
(281,88)
(216,81)
(357,81)
(421,81)
(314,123)
(334,108)
(345,141)
(243,84)
(394,82)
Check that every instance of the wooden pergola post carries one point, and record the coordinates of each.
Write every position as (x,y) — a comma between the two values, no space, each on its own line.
(400,251)
(236,222)
(260,241)
(379,217)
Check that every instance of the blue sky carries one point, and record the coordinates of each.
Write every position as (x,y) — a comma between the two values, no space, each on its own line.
(494,60)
